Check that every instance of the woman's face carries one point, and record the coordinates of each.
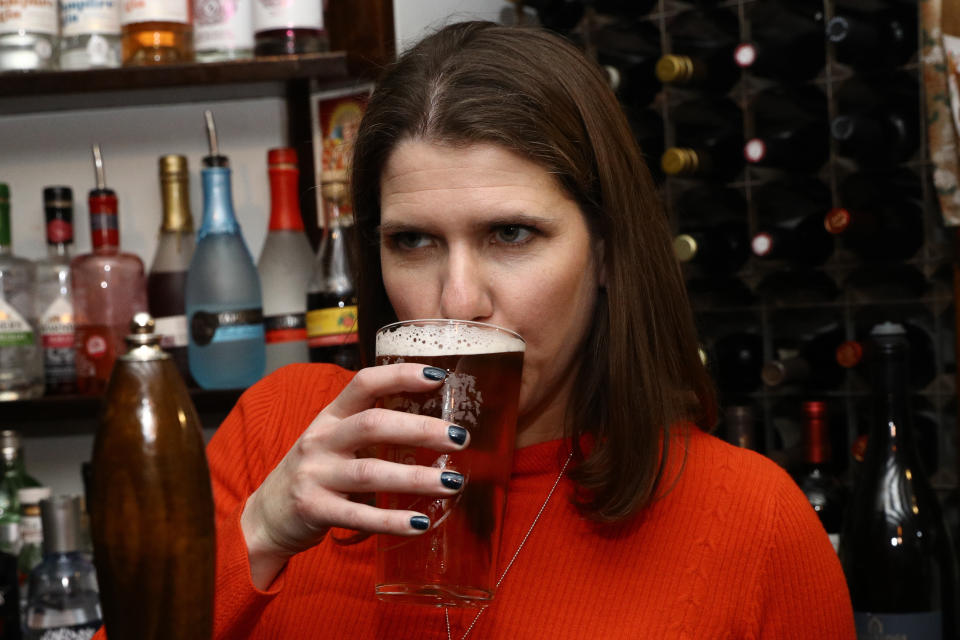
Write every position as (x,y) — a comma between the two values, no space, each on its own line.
(480,233)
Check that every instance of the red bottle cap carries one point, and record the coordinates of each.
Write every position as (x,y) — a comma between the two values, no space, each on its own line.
(859,448)
(284,190)
(849,354)
(837,220)
(104,225)
(281,156)
(816,432)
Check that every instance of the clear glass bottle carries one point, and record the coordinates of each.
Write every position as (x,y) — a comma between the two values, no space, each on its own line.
(285,265)
(15,477)
(223,301)
(31,535)
(157,32)
(28,36)
(21,360)
(288,28)
(223,29)
(54,299)
(89,34)
(331,294)
(167,282)
(64,601)
(108,288)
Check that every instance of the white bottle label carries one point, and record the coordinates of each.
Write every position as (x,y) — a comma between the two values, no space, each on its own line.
(173,330)
(56,334)
(83,17)
(15,331)
(287,14)
(132,11)
(32,16)
(222,25)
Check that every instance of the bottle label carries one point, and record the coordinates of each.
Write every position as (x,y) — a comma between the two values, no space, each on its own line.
(333,326)
(283,14)
(84,17)
(226,326)
(32,16)
(57,336)
(289,327)
(173,331)
(132,11)
(59,231)
(898,626)
(15,331)
(222,25)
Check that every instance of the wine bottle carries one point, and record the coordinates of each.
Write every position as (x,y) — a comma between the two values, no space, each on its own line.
(790,129)
(812,361)
(855,354)
(701,51)
(787,41)
(870,39)
(878,124)
(895,549)
(719,248)
(797,287)
(718,292)
(887,231)
(628,52)
(737,362)
(740,426)
(647,127)
(709,139)
(816,478)
(704,204)
(802,240)
(790,197)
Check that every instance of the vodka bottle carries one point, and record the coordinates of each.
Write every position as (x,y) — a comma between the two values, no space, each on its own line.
(108,288)
(89,34)
(284,266)
(223,301)
(28,35)
(167,282)
(223,29)
(54,298)
(21,362)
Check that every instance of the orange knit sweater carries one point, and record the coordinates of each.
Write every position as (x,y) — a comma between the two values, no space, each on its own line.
(732,551)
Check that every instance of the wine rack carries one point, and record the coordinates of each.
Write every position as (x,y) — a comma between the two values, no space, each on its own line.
(779,302)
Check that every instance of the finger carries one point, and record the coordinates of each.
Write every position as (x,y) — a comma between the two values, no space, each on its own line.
(383,426)
(363,517)
(375,382)
(364,475)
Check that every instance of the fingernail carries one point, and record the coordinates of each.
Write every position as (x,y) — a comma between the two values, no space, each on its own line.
(421,523)
(457,434)
(451,479)
(434,373)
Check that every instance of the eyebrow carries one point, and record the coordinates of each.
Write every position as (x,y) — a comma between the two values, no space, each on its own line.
(524,219)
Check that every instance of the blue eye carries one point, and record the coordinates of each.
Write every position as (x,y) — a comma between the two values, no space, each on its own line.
(513,233)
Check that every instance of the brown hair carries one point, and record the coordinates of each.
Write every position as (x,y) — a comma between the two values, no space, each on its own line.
(537,95)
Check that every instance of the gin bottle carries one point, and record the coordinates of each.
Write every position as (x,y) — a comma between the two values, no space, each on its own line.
(54,299)
(28,35)
(21,362)
(108,288)
(224,305)
(223,29)
(89,34)
(284,266)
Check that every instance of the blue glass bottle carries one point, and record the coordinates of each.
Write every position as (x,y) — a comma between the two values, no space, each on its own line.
(226,348)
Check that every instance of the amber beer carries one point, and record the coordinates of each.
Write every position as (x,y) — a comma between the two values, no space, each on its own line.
(454,562)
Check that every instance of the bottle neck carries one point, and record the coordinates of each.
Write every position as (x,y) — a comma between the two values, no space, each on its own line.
(816,441)
(892,429)
(4,228)
(58,250)
(175,194)
(104,223)
(218,214)
(284,199)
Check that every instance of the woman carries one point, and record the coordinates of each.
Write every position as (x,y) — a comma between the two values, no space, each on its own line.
(497,180)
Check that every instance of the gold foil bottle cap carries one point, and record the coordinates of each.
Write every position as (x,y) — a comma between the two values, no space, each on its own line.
(684,247)
(679,160)
(672,69)
(173,165)
(175,192)
(334,190)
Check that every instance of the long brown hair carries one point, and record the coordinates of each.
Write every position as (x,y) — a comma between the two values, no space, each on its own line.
(537,95)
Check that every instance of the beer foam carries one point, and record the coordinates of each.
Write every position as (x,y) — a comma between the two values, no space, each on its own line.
(440,340)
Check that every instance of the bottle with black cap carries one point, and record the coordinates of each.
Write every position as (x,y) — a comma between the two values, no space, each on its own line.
(867,39)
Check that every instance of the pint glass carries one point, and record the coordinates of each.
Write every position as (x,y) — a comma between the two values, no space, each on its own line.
(454,562)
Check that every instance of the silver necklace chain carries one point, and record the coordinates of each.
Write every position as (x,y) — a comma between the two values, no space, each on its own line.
(556,483)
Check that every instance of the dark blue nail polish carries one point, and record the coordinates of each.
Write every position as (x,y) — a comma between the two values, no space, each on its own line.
(457,434)
(451,479)
(434,373)
(421,523)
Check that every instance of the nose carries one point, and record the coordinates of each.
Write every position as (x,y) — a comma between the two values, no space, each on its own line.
(465,294)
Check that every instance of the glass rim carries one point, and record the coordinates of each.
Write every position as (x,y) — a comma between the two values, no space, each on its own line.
(451,321)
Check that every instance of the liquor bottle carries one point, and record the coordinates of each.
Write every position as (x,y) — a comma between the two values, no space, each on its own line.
(887,231)
(801,240)
(28,36)
(90,34)
(787,41)
(719,248)
(167,282)
(64,601)
(816,479)
(871,39)
(790,129)
(150,435)
(285,265)
(740,426)
(288,28)
(15,477)
(628,52)
(701,51)
(31,535)
(895,550)
(812,362)
(223,301)
(878,123)
(21,358)
(222,30)
(790,197)
(709,140)
(331,294)
(108,288)
(855,354)
(737,362)
(54,298)
(157,32)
